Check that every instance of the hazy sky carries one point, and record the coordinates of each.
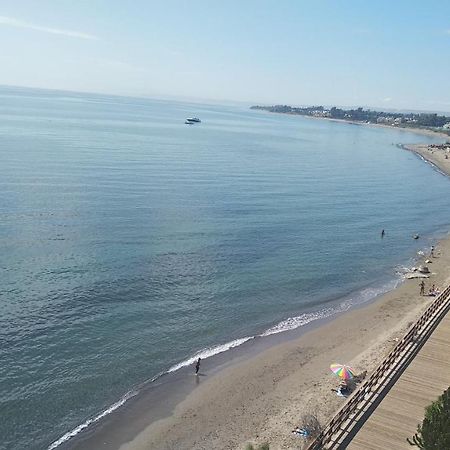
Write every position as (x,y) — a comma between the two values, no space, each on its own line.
(390,54)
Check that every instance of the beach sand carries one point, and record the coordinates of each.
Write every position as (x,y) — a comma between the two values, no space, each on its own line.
(433,155)
(263,398)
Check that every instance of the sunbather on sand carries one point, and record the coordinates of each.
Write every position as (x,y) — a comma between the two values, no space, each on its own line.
(433,292)
(342,391)
(300,431)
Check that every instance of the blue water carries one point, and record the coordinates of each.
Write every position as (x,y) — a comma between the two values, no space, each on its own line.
(130,241)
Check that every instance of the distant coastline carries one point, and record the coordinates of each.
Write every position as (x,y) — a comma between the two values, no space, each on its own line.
(437,155)
(424,123)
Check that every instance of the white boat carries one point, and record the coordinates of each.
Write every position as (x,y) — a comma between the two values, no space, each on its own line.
(192,120)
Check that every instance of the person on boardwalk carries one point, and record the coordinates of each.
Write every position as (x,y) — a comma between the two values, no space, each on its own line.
(197,366)
(382,233)
(422,288)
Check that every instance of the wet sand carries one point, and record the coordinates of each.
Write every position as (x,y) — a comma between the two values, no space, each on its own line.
(262,398)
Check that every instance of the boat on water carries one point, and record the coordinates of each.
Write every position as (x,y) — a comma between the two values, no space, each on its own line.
(192,120)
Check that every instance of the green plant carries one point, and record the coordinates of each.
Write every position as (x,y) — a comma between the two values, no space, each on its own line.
(434,432)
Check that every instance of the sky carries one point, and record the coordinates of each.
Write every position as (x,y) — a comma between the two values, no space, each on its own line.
(384,54)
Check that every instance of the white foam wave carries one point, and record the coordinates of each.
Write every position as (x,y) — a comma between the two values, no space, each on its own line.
(295,322)
(370,293)
(75,431)
(205,353)
(208,352)
(363,296)
(402,270)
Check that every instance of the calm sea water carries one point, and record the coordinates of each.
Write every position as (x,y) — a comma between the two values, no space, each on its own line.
(130,241)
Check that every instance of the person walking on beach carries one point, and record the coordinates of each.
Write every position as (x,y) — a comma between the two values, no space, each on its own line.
(382,233)
(197,366)
(422,288)
(432,251)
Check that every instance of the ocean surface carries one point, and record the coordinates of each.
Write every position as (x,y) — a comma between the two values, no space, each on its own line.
(130,242)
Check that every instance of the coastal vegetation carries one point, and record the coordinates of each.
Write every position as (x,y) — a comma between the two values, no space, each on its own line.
(410,119)
(434,432)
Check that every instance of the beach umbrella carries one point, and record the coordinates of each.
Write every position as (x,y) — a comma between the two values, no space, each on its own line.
(342,371)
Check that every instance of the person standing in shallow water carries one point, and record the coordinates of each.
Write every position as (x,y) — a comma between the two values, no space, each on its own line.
(382,233)
(197,366)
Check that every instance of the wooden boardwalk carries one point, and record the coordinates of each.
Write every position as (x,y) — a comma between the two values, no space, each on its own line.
(398,414)
(389,404)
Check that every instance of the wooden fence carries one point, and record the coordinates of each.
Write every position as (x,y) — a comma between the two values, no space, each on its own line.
(355,411)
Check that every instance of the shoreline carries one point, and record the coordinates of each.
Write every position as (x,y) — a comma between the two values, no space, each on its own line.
(431,155)
(269,398)
(423,131)
(164,392)
(262,399)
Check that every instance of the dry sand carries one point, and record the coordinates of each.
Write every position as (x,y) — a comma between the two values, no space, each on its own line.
(262,399)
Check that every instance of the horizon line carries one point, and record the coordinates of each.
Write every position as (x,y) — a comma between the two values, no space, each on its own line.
(187,99)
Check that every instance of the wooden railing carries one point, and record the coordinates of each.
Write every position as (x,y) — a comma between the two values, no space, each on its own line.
(356,410)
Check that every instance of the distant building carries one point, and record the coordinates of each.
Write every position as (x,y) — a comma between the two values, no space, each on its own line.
(320,113)
(388,120)
(446,126)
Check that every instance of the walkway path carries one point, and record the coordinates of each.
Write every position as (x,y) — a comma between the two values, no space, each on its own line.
(398,414)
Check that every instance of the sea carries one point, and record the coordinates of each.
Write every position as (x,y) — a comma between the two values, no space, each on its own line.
(131,243)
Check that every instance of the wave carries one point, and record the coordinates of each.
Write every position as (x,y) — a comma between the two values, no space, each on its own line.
(204,354)
(208,352)
(289,324)
(75,431)
(295,322)
(363,296)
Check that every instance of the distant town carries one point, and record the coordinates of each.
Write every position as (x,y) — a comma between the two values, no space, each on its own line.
(413,120)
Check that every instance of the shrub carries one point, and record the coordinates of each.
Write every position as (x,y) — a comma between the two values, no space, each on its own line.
(434,432)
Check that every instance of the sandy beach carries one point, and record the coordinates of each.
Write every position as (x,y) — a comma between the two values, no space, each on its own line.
(262,399)
(433,155)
